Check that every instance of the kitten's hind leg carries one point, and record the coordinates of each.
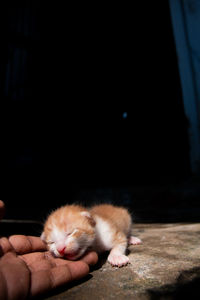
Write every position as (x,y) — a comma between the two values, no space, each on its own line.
(134,240)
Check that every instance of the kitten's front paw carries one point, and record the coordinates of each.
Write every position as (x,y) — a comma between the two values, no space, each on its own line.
(118,260)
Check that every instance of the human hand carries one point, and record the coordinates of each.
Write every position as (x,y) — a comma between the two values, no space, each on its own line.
(27,270)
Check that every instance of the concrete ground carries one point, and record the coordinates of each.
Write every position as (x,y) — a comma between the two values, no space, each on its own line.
(165,266)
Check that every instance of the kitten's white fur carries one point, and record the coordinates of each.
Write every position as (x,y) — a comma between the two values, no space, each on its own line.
(56,234)
(104,235)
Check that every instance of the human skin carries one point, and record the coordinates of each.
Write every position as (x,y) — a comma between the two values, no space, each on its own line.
(27,269)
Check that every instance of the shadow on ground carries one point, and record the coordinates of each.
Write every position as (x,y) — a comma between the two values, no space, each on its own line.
(187,286)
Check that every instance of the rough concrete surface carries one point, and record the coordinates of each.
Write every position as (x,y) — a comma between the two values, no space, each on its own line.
(165,266)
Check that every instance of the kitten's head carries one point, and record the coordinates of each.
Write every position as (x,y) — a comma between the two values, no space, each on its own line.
(69,232)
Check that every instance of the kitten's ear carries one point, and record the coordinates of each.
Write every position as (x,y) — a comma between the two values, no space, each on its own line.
(89,217)
(43,237)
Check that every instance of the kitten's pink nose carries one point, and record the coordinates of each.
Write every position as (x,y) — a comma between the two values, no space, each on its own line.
(61,250)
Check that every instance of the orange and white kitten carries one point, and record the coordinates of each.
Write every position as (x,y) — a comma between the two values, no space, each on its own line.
(72,230)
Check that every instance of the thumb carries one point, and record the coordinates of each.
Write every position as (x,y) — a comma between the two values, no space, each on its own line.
(2,209)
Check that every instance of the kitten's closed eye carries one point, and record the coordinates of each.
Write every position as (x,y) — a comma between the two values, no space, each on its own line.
(73,232)
(68,233)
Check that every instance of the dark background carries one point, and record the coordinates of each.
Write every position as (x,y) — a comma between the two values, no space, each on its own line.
(68,74)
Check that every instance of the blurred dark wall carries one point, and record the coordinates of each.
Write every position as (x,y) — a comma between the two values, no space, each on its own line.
(68,75)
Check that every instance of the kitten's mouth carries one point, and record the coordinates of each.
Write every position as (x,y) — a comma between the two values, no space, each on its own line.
(73,256)
(70,256)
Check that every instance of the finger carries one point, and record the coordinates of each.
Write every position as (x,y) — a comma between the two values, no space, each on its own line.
(2,209)
(15,276)
(90,258)
(33,257)
(56,261)
(25,244)
(5,246)
(38,261)
(46,280)
(41,265)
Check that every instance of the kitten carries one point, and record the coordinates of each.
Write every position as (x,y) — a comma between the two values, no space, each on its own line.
(72,230)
